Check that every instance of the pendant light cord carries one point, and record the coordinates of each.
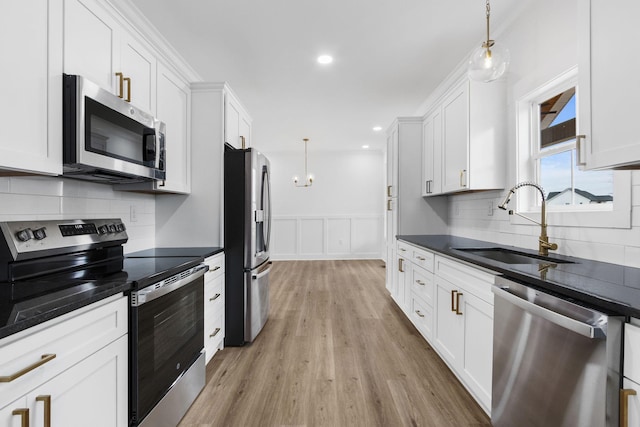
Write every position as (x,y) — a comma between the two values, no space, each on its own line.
(488,15)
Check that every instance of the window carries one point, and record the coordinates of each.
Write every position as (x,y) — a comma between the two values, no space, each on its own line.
(555,154)
(547,121)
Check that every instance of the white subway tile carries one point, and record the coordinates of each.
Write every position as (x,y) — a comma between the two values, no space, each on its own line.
(81,207)
(22,205)
(4,184)
(632,256)
(34,185)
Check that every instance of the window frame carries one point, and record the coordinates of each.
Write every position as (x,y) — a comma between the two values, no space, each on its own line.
(526,202)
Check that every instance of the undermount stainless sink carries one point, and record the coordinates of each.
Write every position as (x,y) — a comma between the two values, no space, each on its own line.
(509,256)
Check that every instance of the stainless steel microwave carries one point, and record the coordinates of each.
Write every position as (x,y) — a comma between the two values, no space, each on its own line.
(106,139)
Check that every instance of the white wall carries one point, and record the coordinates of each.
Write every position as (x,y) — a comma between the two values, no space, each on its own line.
(33,198)
(543,44)
(340,216)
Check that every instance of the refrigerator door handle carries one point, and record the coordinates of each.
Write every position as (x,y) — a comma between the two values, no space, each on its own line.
(262,271)
(267,210)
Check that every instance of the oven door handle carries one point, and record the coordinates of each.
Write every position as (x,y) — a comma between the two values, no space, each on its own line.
(157,290)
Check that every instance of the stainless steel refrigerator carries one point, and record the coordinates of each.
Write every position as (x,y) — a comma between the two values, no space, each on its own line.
(247,232)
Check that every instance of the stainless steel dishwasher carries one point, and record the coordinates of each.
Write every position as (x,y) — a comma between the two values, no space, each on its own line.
(555,363)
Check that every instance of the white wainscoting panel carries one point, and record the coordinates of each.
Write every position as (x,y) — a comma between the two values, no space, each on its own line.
(284,237)
(338,234)
(312,232)
(327,237)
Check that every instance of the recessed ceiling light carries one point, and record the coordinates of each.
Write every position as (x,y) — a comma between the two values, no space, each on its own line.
(325,59)
(377,128)
(365,147)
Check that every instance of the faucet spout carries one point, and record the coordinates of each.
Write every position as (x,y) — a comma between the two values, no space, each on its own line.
(543,241)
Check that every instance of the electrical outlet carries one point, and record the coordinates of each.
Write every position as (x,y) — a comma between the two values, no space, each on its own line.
(490,208)
(133,213)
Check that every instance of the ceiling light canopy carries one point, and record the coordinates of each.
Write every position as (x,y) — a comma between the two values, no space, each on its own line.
(366,147)
(489,61)
(377,128)
(325,59)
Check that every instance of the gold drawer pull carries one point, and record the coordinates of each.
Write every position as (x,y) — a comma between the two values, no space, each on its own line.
(214,333)
(400,265)
(47,408)
(24,416)
(389,193)
(44,359)
(215,297)
(389,208)
(421,258)
(402,249)
(419,314)
(624,405)
(420,282)
(453,300)
(217,267)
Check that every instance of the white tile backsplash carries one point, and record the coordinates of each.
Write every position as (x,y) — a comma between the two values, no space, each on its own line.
(615,245)
(32,198)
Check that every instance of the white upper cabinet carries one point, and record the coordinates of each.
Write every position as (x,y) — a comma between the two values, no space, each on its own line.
(432,154)
(31,101)
(237,122)
(464,139)
(392,164)
(608,87)
(98,48)
(174,104)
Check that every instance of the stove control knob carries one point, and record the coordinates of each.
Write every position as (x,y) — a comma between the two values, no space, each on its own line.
(102,229)
(39,233)
(112,228)
(120,227)
(24,235)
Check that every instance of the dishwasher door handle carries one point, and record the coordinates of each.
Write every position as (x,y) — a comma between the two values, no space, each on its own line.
(584,329)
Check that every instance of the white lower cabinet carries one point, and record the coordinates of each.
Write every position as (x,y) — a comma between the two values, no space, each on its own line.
(80,370)
(630,396)
(451,305)
(214,305)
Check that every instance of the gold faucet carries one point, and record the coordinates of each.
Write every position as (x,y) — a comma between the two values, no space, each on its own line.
(543,241)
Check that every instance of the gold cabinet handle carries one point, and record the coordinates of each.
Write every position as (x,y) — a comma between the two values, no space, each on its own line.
(458,295)
(47,408)
(243,142)
(214,333)
(389,205)
(120,85)
(128,80)
(402,249)
(215,297)
(400,265)
(24,416)
(217,267)
(43,359)
(579,139)
(420,282)
(419,314)
(624,405)
(389,191)
(421,258)
(453,300)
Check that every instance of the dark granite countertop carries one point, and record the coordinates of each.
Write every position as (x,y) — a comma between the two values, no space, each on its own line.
(608,287)
(203,252)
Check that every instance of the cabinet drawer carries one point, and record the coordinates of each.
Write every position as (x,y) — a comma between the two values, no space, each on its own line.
(213,334)
(71,338)
(216,266)
(214,295)
(422,284)
(404,249)
(471,279)
(421,315)
(423,258)
(631,366)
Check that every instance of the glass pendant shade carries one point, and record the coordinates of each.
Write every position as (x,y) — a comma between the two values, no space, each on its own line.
(488,63)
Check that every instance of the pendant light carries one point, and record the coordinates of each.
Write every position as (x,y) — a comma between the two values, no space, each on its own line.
(308,179)
(489,61)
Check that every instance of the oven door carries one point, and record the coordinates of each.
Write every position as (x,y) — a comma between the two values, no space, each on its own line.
(167,336)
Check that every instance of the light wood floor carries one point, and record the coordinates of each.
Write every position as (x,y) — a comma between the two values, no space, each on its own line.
(336,351)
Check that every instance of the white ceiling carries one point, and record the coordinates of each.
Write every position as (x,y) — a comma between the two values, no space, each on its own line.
(389,55)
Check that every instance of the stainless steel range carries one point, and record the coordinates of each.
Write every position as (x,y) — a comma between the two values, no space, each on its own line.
(48,268)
